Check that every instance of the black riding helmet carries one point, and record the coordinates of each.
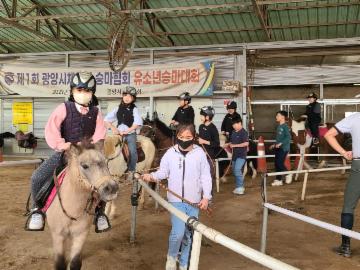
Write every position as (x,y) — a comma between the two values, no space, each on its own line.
(185,96)
(129,90)
(83,80)
(312,95)
(231,105)
(207,111)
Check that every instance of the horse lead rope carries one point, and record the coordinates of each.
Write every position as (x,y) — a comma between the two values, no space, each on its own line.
(208,210)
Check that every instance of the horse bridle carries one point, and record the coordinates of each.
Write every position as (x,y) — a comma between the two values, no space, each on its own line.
(94,188)
(152,133)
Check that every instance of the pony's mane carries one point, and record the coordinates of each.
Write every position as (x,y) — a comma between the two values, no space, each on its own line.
(86,143)
(163,128)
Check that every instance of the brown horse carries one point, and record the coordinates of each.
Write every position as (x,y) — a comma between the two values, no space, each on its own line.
(70,216)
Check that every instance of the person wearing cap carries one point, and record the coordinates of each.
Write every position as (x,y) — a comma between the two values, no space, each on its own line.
(313,114)
(70,122)
(185,112)
(128,120)
(349,125)
(227,125)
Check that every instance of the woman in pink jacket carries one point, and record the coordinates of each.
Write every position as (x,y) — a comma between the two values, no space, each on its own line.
(71,122)
(186,167)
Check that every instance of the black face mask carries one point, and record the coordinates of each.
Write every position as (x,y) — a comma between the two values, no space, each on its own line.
(185,144)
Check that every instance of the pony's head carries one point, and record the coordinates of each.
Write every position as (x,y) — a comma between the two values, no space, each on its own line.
(88,163)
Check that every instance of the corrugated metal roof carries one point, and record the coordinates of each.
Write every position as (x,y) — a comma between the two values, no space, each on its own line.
(86,24)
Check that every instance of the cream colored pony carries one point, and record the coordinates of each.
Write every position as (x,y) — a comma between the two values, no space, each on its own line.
(117,164)
(69,217)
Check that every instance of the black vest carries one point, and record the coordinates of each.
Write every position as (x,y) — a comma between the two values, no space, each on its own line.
(312,116)
(77,126)
(125,114)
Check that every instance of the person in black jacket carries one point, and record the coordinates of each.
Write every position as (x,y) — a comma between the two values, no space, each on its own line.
(313,114)
(185,113)
(208,133)
(226,126)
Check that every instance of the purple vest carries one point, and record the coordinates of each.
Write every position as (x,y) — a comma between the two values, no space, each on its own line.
(77,126)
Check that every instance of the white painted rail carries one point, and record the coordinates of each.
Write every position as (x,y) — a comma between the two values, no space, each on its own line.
(313,221)
(310,220)
(217,237)
(310,171)
(12,163)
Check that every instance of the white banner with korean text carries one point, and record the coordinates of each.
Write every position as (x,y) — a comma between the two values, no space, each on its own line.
(151,80)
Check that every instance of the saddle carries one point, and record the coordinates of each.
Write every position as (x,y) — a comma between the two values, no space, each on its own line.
(27,140)
(139,150)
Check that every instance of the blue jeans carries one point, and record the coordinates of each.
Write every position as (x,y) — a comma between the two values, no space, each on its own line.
(131,141)
(180,235)
(237,171)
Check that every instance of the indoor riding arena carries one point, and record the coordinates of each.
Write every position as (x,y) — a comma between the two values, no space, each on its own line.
(168,134)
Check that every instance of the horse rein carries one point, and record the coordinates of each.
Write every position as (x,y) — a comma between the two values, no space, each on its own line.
(208,210)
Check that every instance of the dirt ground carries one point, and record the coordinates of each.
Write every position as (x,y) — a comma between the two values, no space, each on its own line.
(292,241)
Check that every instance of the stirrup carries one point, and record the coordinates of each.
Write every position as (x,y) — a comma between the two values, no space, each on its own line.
(35,211)
(97,230)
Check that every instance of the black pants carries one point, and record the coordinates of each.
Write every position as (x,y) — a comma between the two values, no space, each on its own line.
(280,156)
(314,128)
(44,172)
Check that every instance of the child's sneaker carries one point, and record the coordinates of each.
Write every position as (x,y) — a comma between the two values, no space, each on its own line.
(277,183)
(239,191)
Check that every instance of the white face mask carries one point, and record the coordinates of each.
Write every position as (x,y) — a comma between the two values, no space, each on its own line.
(83,98)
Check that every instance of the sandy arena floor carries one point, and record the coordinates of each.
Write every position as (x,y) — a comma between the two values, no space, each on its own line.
(297,243)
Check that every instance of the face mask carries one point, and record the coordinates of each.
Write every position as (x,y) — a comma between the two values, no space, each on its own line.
(185,144)
(82,98)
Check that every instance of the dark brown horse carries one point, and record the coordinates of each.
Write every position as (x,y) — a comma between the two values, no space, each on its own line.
(160,134)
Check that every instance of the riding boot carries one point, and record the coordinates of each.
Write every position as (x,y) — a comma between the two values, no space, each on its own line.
(347,221)
(102,223)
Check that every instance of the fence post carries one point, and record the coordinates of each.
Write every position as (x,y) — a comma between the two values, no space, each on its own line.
(157,189)
(301,162)
(265,218)
(134,203)
(304,186)
(195,251)
(217,175)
